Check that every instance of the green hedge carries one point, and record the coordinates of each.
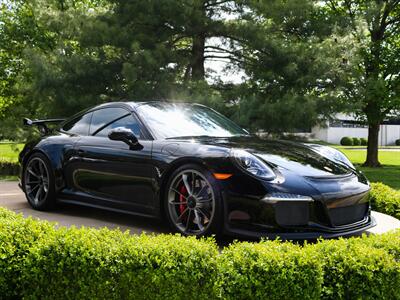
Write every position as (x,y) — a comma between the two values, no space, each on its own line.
(355,269)
(385,199)
(106,265)
(38,261)
(346,141)
(364,141)
(270,270)
(8,168)
(356,141)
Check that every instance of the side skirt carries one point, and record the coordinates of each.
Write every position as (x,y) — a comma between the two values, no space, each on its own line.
(128,212)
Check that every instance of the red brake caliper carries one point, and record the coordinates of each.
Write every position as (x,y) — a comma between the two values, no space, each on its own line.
(182,206)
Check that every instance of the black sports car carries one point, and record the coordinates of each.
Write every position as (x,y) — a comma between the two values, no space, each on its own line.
(200,170)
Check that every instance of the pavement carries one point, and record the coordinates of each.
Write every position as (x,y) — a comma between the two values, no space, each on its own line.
(13,198)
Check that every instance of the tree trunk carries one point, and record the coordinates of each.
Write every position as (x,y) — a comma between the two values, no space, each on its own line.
(373,70)
(199,33)
(197,64)
(373,141)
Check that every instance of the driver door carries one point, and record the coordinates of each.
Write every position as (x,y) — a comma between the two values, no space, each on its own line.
(109,172)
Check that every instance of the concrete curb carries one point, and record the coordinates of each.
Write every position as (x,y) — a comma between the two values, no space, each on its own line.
(385,223)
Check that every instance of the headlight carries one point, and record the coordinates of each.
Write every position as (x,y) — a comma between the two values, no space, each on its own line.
(252,164)
(333,154)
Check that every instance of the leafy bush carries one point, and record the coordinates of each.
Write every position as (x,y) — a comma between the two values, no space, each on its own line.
(385,199)
(356,141)
(112,265)
(17,237)
(355,270)
(364,141)
(39,261)
(346,141)
(389,242)
(9,168)
(269,270)
(398,142)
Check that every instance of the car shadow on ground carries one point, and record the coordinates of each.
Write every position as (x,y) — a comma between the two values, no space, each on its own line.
(98,218)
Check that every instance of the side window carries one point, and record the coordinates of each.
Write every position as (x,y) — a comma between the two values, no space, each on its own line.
(79,125)
(105,116)
(127,121)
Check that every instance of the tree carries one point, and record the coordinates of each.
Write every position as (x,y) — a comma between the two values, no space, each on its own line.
(137,50)
(18,30)
(79,53)
(293,63)
(374,85)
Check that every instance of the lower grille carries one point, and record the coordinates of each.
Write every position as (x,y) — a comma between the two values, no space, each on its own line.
(348,214)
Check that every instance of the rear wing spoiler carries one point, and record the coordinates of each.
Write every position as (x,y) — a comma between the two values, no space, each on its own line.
(41,124)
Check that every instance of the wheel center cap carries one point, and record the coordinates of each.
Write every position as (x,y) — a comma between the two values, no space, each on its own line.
(191,202)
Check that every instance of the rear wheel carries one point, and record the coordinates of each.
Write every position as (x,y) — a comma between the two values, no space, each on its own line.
(38,182)
(194,205)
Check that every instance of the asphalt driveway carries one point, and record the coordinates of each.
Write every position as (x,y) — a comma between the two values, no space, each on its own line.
(12,198)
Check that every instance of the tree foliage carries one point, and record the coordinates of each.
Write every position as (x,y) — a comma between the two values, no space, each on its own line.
(293,62)
(18,31)
(302,60)
(373,84)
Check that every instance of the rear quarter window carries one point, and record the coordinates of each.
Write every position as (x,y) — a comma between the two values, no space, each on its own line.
(79,125)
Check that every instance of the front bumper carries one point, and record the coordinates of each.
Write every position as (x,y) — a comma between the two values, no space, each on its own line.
(294,218)
(305,233)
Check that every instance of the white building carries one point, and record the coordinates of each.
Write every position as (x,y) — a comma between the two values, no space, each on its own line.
(345,125)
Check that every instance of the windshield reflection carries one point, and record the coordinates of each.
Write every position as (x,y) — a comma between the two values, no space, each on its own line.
(168,120)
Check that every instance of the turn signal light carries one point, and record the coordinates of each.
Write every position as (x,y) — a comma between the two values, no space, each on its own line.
(222,176)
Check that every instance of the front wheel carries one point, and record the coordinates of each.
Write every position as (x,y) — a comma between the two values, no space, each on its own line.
(38,182)
(193,202)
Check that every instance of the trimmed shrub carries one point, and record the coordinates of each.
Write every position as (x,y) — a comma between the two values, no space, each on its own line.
(38,261)
(104,264)
(385,199)
(356,141)
(269,270)
(346,141)
(389,242)
(363,141)
(17,237)
(355,270)
(9,168)
(8,215)
(398,142)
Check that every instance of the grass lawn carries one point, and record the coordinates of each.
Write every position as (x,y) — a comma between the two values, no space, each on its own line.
(10,151)
(8,178)
(388,174)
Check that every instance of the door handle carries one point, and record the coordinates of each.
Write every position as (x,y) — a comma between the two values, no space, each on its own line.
(80,152)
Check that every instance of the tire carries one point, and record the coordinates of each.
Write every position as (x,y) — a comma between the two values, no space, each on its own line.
(38,182)
(193,208)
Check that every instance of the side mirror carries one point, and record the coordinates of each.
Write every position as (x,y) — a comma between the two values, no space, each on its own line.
(125,135)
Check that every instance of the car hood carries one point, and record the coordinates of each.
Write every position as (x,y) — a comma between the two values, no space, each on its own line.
(300,158)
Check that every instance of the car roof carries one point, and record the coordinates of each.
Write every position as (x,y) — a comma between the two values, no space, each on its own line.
(134,105)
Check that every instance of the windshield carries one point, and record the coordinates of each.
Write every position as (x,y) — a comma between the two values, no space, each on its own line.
(168,120)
